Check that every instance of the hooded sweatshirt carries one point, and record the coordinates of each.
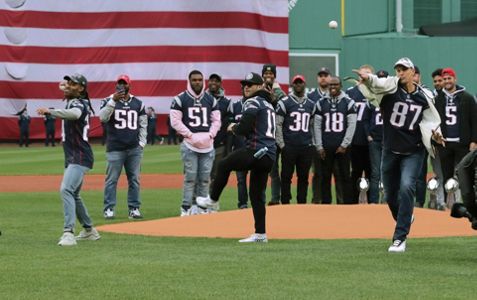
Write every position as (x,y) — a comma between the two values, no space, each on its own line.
(197,118)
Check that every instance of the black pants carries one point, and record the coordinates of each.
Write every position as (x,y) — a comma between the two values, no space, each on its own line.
(243,160)
(171,136)
(341,174)
(151,136)
(317,181)
(301,157)
(24,137)
(450,156)
(50,137)
(467,175)
(359,163)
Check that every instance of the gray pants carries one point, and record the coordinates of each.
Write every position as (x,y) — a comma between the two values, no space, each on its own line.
(131,160)
(197,167)
(73,205)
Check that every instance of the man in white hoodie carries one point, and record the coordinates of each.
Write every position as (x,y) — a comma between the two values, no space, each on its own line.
(405,108)
(195,115)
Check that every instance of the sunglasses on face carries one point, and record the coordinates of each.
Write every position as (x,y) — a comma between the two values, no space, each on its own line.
(247,85)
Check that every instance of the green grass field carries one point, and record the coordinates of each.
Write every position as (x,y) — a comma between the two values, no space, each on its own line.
(32,266)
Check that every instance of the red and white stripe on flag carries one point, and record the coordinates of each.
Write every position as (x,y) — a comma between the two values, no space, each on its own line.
(157,43)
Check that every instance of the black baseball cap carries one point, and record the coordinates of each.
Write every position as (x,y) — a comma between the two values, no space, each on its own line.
(252,78)
(78,78)
(324,70)
(216,76)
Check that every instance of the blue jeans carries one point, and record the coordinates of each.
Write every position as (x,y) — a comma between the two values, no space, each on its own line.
(197,168)
(375,153)
(73,205)
(400,174)
(131,160)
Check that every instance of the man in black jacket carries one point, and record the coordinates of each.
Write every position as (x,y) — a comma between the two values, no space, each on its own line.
(457,110)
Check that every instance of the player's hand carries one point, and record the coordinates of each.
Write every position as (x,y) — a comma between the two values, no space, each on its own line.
(472,146)
(363,74)
(322,154)
(118,96)
(340,150)
(370,139)
(438,138)
(43,111)
(229,128)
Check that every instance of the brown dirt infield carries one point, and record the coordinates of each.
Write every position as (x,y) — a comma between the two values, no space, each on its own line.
(283,222)
(301,222)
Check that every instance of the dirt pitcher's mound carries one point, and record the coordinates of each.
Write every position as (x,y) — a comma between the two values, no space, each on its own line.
(301,222)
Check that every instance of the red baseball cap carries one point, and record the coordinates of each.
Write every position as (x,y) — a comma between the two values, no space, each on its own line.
(125,78)
(301,77)
(448,71)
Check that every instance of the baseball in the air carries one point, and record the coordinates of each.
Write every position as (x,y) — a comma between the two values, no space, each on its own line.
(333,24)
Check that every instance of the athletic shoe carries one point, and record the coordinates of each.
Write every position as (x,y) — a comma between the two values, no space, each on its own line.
(397,246)
(255,238)
(185,212)
(135,214)
(67,239)
(243,206)
(441,206)
(108,214)
(91,235)
(271,203)
(206,202)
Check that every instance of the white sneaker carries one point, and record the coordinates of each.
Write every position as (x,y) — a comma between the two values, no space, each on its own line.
(206,202)
(255,238)
(185,212)
(91,235)
(108,214)
(135,214)
(67,239)
(397,246)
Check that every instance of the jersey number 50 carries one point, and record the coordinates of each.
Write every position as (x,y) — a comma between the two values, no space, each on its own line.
(125,119)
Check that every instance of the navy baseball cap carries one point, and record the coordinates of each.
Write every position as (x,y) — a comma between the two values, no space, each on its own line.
(216,76)
(78,78)
(324,70)
(382,73)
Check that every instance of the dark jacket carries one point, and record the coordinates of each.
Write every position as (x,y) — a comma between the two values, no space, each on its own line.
(466,114)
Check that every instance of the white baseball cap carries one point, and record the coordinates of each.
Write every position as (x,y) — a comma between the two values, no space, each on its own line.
(405,62)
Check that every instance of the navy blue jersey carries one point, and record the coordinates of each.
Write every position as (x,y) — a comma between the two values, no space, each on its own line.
(263,132)
(316,95)
(296,122)
(223,104)
(75,136)
(124,126)
(376,124)
(402,113)
(363,111)
(452,121)
(235,113)
(196,113)
(334,120)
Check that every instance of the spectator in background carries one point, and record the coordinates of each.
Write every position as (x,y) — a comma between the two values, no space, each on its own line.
(294,120)
(238,142)
(24,121)
(196,116)
(269,74)
(375,139)
(126,119)
(50,129)
(437,81)
(151,125)
(335,123)
(171,132)
(360,162)
(458,111)
(220,141)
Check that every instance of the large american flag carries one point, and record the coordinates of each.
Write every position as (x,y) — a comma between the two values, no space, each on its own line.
(156,42)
